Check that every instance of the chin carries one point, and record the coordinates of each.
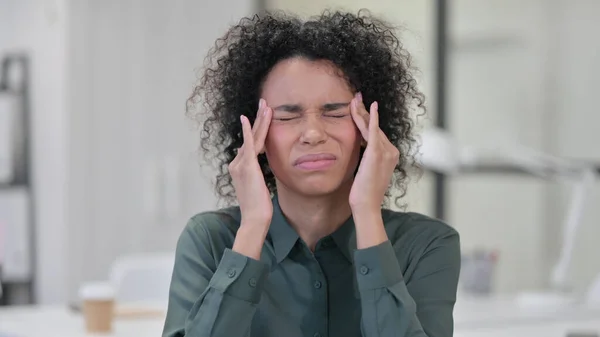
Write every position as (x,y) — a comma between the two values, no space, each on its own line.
(317,186)
(316,190)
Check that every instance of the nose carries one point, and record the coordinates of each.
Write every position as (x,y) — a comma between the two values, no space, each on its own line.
(313,132)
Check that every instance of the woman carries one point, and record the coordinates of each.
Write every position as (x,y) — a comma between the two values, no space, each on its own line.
(310,124)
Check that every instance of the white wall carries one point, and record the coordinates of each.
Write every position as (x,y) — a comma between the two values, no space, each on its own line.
(110,80)
(535,86)
(39,29)
(133,66)
(574,78)
(495,100)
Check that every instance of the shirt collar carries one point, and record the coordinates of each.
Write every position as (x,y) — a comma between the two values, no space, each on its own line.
(345,238)
(284,237)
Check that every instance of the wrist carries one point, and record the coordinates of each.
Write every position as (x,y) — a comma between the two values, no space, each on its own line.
(370,229)
(250,238)
(256,219)
(366,204)
(366,212)
(256,223)
(253,228)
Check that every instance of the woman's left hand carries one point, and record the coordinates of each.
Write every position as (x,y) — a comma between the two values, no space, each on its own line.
(378,162)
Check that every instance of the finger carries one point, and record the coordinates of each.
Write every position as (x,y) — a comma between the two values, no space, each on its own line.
(262,131)
(362,109)
(259,116)
(238,152)
(385,140)
(373,123)
(359,120)
(248,145)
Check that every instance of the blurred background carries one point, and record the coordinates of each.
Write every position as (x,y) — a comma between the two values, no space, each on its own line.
(99,161)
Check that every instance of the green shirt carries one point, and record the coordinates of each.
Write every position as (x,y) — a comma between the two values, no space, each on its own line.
(403,287)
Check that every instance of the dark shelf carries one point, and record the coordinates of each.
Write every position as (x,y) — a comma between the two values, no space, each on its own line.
(22,166)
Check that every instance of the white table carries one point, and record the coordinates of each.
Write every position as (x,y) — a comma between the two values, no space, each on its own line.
(539,329)
(59,321)
(503,317)
(473,318)
(502,311)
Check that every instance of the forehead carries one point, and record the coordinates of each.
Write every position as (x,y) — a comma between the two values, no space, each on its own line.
(298,79)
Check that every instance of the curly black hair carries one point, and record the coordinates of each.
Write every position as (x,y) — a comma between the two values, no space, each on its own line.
(366,51)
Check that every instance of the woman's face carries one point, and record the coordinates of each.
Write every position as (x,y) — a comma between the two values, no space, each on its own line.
(313,144)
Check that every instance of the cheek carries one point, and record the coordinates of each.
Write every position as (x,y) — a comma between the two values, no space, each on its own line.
(277,141)
(347,133)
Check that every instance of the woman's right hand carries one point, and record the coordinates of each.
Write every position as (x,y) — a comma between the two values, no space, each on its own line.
(250,188)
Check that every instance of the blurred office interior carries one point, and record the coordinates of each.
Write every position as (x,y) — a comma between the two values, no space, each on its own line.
(98,160)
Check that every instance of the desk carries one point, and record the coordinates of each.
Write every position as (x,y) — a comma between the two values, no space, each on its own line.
(503,317)
(473,318)
(57,321)
(472,313)
(547,329)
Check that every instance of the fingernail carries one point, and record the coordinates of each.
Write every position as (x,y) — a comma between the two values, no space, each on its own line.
(265,111)
(359,96)
(242,119)
(261,103)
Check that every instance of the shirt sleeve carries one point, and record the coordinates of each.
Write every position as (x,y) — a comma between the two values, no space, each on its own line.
(208,297)
(421,307)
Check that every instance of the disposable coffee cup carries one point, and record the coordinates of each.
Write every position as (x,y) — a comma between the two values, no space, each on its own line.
(98,303)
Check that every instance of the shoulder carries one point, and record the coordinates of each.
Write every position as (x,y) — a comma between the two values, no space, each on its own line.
(218,225)
(422,243)
(204,240)
(415,228)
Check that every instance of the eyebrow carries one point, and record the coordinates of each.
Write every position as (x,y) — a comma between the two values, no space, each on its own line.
(298,108)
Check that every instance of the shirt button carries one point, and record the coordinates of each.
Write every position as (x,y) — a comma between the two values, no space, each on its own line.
(317,284)
(231,273)
(252,282)
(364,270)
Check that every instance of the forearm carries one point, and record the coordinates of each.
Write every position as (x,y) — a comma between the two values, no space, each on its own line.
(250,238)
(388,308)
(208,299)
(370,230)
(228,306)
(419,307)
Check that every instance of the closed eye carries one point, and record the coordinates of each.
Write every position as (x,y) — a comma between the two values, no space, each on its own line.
(284,118)
(287,112)
(336,110)
(334,106)
(336,115)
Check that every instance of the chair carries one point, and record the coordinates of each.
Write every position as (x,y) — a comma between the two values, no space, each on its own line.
(142,277)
